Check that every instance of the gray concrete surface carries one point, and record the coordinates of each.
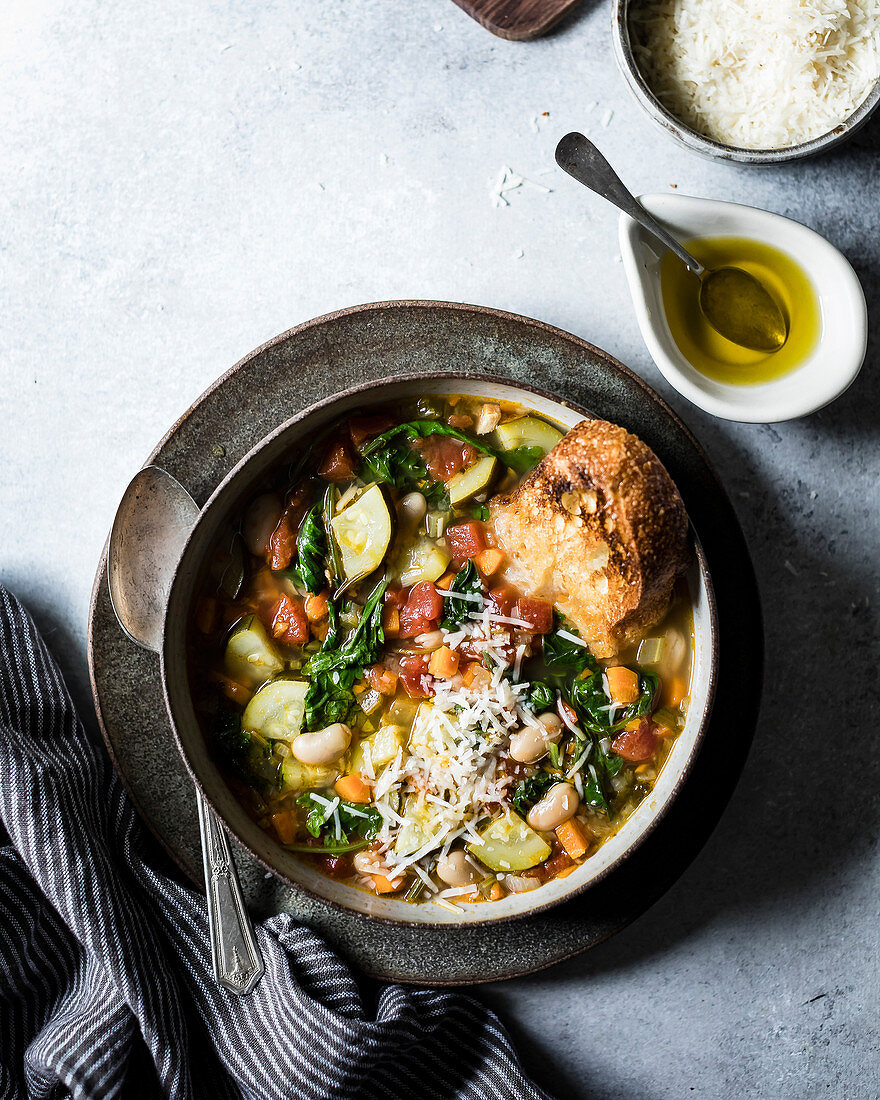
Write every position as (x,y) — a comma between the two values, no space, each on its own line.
(180,182)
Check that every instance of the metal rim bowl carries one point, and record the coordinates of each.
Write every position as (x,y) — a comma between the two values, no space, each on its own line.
(232,491)
(706,146)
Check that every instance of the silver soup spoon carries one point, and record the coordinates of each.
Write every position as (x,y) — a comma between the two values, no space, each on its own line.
(153,521)
(735,303)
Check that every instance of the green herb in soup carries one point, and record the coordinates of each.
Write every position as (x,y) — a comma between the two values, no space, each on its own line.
(386,693)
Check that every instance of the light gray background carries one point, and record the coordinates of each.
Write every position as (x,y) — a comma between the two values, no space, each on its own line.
(180,182)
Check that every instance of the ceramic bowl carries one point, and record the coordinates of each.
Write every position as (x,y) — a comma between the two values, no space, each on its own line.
(699,143)
(840,349)
(232,493)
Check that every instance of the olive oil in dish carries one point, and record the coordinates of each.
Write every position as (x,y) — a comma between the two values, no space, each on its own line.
(709,352)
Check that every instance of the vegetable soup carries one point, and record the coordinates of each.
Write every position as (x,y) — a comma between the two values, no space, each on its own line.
(384,695)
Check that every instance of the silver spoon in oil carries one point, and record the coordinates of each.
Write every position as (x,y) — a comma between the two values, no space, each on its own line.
(734,302)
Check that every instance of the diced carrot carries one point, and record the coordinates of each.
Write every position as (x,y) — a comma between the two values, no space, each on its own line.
(206,614)
(390,621)
(233,690)
(489,561)
(284,824)
(623,684)
(632,726)
(476,676)
(664,731)
(673,691)
(496,892)
(353,788)
(359,689)
(445,581)
(382,679)
(316,607)
(574,838)
(443,663)
(567,871)
(382,885)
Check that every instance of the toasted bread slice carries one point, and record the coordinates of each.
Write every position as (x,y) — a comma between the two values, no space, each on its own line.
(599,528)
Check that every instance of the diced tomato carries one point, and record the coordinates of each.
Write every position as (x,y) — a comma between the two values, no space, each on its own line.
(501,599)
(362,428)
(281,546)
(396,596)
(338,463)
(414,676)
(422,610)
(445,456)
(381,679)
(336,866)
(537,613)
(289,623)
(637,745)
(465,540)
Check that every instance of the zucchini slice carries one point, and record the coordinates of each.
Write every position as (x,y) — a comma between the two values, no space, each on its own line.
(526,431)
(474,479)
(419,826)
(363,533)
(250,657)
(277,710)
(383,746)
(296,776)
(423,560)
(509,844)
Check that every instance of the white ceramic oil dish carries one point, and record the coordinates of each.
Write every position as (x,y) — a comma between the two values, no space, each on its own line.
(827,371)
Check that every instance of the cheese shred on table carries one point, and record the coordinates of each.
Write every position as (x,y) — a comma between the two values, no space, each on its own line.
(754,74)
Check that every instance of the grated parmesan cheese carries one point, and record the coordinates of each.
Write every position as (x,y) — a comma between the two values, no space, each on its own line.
(759,75)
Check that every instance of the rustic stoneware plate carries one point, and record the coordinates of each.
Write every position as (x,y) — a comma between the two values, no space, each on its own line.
(333,354)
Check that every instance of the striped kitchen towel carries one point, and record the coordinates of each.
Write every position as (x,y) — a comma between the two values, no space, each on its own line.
(106,987)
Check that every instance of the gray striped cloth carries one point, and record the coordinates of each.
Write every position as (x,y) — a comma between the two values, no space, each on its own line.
(105,974)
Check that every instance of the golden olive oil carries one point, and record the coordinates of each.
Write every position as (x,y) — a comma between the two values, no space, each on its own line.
(707,350)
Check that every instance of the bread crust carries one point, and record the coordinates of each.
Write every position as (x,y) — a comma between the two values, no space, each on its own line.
(600,528)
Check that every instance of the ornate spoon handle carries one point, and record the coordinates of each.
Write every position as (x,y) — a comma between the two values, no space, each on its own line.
(238,964)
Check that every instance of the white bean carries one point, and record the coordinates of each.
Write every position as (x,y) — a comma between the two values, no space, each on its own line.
(455,869)
(260,520)
(323,746)
(412,508)
(558,805)
(530,743)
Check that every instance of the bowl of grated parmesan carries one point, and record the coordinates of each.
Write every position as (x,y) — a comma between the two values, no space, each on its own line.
(748,81)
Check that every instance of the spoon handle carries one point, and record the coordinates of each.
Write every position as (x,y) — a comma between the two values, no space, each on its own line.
(238,964)
(579,157)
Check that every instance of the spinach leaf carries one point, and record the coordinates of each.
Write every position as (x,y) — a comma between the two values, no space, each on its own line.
(362,645)
(389,457)
(334,669)
(522,459)
(593,706)
(357,821)
(250,761)
(456,611)
(311,550)
(540,696)
(563,655)
(532,790)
